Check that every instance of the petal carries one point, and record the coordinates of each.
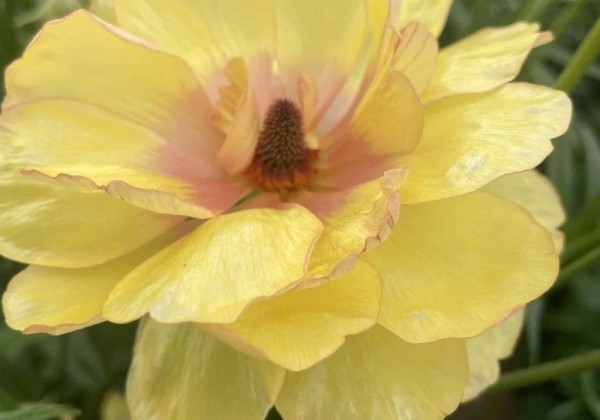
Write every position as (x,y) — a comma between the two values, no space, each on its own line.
(240,119)
(454,267)
(168,118)
(207,34)
(534,192)
(482,61)
(333,42)
(41,224)
(180,372)
(60,300)
(299,328)
(470,140)
(213,273)
(390,117)
(415,55)
(86,148)
(432,13)
(485,350)
(376,375)
(386,126)
(104,9)
(316,32)
(355,220)
(123,75)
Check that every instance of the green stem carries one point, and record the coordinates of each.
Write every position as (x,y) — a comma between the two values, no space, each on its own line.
(581,245)
(564,20)
(547,372)
(530,10)
(584,219)
(584,56)
(586,261)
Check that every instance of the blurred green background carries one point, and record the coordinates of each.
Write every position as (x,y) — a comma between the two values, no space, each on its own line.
(44,377)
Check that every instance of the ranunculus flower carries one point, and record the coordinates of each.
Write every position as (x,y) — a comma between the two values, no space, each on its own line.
(311,205)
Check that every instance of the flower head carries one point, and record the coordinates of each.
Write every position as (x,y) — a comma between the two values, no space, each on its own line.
(309,204)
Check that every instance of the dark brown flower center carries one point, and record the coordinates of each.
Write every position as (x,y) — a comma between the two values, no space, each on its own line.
(282,162)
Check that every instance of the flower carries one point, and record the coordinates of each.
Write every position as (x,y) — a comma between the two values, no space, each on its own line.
(309,204)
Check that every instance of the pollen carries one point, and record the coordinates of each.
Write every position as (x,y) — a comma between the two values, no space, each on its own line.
(282,162)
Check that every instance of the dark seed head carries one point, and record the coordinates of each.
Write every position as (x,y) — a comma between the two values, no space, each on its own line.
(282,162)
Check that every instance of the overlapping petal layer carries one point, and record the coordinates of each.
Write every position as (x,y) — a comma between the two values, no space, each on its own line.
(302,327)
(207,34)
(376,375)
(470,140)
(59,300)
(452,268)
(534,192)
(180,372)
(482,61)
(485,350)
(173,146)
(432,13)
(43,224)
(354,220)
(386,126)
(414,53)
(213,273)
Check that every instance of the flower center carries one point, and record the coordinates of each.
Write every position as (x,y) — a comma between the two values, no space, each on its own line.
(282,162)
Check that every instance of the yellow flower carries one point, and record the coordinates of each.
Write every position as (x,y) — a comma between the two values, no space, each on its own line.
(332,216)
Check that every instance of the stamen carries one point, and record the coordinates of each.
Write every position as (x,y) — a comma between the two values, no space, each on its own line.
(282,162)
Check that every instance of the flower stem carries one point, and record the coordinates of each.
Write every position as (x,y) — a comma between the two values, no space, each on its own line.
(564,19)
(584,56)
(586,261)
(547,372)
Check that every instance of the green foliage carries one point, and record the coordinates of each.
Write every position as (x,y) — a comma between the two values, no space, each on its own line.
(39,373)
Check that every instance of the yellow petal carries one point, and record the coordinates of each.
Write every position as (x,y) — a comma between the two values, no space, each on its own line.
(313,31)
(59,300)
(454,267)
(206,33)
(355,220)
(299,328)
(389,120)
(242,130)
(470,140)
(376,375)
(123,75)
(482,61)
(534,192)
(87,148)
(180,372)
(432,13)
(415,55)
(485,350)
(213,273)
(42,224)
(104,9)
(114,406)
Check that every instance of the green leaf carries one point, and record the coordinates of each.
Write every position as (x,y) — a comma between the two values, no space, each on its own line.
(39,412)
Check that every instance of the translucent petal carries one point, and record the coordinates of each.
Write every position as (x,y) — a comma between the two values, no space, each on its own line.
(432,13)
(485,351)
(376,375)
(180,372)
(482,61)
